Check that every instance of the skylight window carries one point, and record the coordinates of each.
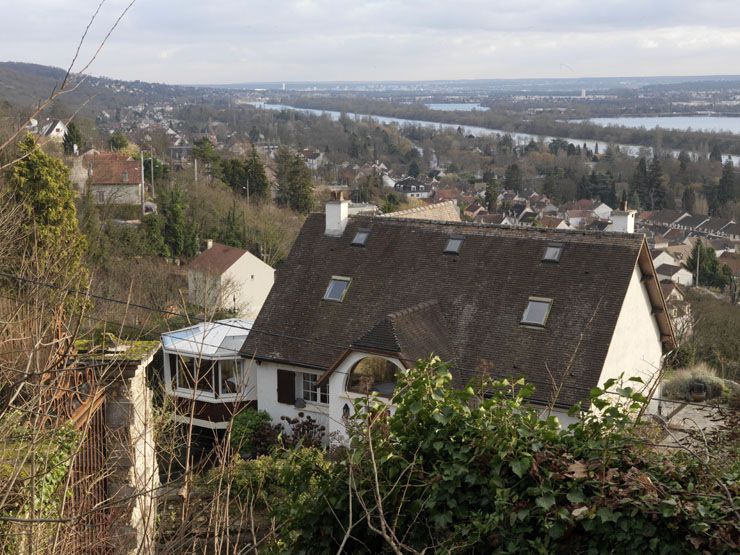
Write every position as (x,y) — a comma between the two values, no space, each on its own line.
(361,236)
(552,253)
(337,289)
(453,245)
(537,311)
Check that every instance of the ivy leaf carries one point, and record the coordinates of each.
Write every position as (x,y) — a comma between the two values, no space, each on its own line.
(607,515)
(545,502)
(520,466)
(576,496)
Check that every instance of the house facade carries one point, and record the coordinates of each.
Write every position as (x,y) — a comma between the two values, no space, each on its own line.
(114,179)
(361,299)
(223,277)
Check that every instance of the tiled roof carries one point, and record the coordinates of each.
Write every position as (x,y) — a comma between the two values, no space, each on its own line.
(481,294)
(115,171)
(715,224)
(217,259)
(663,216)
(668,269)
(692,221)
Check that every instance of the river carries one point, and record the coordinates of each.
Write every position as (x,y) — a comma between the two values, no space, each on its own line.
(681,123)
(519,138)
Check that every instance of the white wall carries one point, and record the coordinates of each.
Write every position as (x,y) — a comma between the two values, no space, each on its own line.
(266,373)
(635,348)
(252,280)
(116,194)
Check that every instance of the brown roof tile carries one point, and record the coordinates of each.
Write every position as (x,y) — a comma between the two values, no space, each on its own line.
(481,294)
(217,259)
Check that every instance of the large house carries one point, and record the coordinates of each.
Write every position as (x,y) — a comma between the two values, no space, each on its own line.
(228,278)
(360,299)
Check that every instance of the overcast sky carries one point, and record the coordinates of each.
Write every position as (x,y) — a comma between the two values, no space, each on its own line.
(231,41)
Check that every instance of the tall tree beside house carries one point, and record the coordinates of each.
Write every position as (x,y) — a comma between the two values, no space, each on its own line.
(584,188)
(295,186)
(688,199)
(726,189)
(513,178)
(117,141)
(232,231)
(657,190)
(72,137)
(711,272)
(683,161)
(414,169)
(491,195)
(549,188)
(173,211)
(638,185)
(154,244)
(259,185)
(711,194)
(39,184)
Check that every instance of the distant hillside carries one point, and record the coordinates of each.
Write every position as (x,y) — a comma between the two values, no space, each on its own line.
(24,85)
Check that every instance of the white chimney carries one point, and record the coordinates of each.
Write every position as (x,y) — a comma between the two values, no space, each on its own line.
(623,220)
(337,214)
(209,244)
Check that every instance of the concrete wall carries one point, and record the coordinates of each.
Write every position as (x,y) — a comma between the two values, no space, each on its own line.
(635,348)
(116,194)
(131,460)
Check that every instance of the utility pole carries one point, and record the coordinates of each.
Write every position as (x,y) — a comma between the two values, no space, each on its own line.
(152,168)
(195,165)
(143,185)
(698,256)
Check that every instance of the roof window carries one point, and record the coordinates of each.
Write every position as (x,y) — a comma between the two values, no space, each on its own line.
(553,252)
(453,245)
(360,239)
(537,311)
(337,289)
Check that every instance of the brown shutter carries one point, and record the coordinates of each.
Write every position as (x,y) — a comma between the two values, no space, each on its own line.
(286,387)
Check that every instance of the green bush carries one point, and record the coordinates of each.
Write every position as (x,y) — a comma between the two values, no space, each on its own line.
(453,470)
(679,386)
(252,433)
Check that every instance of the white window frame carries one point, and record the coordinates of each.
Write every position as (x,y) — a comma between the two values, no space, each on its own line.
(361,237)
(558,248)
(217,394)
(310,392)
(449,249)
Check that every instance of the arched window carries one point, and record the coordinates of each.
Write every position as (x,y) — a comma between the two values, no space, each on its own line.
(373,374)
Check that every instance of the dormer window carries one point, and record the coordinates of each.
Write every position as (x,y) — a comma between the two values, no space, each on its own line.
(553,252)
(413,187)
(421,187)
(337,289)
(537,312)
(453,245)
(361,237)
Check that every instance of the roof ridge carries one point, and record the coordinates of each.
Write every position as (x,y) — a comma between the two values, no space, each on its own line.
(410,310)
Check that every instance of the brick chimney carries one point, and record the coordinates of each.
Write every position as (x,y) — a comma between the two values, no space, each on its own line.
(337,214)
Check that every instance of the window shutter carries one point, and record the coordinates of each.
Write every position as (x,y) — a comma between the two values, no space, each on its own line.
(286,387)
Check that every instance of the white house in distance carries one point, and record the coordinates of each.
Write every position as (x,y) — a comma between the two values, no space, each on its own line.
(54,130)
(223,277)
(676,274)
(360,299)
(114,179)
(204,373)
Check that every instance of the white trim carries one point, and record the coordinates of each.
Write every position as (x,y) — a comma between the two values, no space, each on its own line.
(200,422)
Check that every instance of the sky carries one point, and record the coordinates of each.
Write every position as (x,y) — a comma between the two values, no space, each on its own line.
(235,41)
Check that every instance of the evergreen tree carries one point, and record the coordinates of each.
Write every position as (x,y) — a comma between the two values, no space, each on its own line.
(513,178)
(491,195)
(173,211)
(155,244)
(688,199)
(726,189)
(71,138)
(414,169)
(638,185)
(89,224)
(657,190)
(549,188)
(254,169)
(716,154)
(683,161)
(39,184)
(711,272)
(295,186)
(232,230)
(118,141)
(584,189)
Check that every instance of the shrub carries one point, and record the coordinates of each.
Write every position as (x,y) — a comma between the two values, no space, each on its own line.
(303,431)
(252,433)
(679,386)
